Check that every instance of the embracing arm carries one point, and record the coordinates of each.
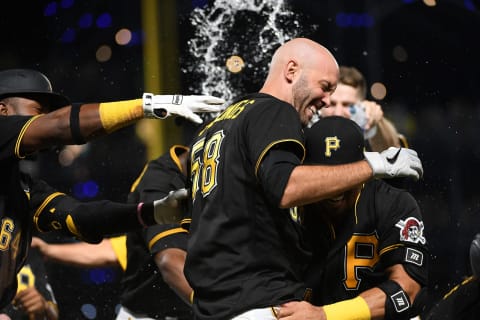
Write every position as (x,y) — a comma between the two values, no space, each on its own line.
(170,262)
(308,184)
(79,254)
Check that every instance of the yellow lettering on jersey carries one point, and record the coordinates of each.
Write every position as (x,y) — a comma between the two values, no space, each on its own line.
(229,113)
(211,154)
(204,161)
(195,158)
(26,278)
(6,233)
(355,259)
(331,143)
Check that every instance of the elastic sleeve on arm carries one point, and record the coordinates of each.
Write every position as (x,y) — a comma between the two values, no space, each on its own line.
(274,172)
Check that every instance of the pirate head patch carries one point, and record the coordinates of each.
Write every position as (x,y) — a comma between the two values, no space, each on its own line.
(411,230)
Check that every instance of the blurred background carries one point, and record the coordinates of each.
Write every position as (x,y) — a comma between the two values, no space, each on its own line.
(420,59)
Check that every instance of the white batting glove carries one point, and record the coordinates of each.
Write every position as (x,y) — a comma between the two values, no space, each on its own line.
(395,162)
(166,209)
(162,106)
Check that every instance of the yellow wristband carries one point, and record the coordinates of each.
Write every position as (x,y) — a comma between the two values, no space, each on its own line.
(353,309)
(191,297)
(115,115)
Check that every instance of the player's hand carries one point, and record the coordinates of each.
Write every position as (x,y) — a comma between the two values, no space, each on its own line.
(162,106)
(166,209)
(475,255)
(31,302)
(395,162)
(373,112)
(300,310)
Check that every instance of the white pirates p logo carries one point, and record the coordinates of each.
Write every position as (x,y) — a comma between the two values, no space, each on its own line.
(331,143)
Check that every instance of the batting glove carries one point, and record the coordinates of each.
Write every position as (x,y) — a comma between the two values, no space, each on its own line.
(162,106)
(395,162)
(166,209)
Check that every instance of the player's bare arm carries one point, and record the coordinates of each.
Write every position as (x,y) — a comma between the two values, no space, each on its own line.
(170,262)
(308,184)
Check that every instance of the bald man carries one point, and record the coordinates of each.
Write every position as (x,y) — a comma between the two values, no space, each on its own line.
(245,254)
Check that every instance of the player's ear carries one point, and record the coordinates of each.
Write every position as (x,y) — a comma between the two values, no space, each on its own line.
(290,70)
(3,109)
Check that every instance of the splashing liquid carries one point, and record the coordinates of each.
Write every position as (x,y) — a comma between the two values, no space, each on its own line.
(249,29)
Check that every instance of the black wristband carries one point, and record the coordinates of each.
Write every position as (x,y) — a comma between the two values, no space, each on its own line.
(147,214)
(397,303)
(75,124)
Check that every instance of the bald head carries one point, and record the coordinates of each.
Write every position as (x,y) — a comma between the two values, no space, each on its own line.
(303,73)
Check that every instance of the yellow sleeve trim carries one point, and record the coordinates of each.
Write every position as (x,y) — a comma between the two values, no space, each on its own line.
(353,309)
(137,181)
(42,206)
(119,246)
(390,248)
(173,155)
(21,134)
(264,152)
(164,234)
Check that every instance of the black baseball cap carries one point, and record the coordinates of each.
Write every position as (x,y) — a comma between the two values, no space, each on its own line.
(30,84)
(334,140)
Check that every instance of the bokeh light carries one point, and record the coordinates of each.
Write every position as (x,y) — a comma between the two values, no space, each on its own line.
(104,53)
(123,37)
(378,91)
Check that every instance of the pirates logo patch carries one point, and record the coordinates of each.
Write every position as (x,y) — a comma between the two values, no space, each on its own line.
(411,230)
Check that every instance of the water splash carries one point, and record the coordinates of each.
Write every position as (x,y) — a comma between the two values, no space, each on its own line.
(251,29)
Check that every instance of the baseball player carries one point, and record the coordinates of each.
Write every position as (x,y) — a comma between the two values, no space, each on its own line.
(463,301)
(245,254)
(26,97)
(154,286)
(34,298)
(369,248)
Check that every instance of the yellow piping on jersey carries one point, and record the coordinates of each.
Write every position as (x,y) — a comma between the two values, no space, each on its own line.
(20,136)
(174,156)
(264,152)
(72,227)
(390,248)
(164,234)
(43,205)
(137,181)
(356,202)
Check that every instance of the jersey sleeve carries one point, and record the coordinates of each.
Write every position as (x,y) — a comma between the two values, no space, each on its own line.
(119,246)
(160,237)
(12,131)
(273,125)
(401,231)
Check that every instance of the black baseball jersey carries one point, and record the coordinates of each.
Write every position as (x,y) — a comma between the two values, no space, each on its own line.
(16,220)
(143,288)
(244,252)
(384,228)
(32,274)
(462,302)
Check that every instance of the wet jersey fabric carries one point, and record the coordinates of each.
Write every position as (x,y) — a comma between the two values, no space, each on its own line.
(15,211)
(384,229)
(244,252)
(143,289)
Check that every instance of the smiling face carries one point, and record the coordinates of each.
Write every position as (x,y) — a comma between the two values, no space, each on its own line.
(340,101)
(313,89)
